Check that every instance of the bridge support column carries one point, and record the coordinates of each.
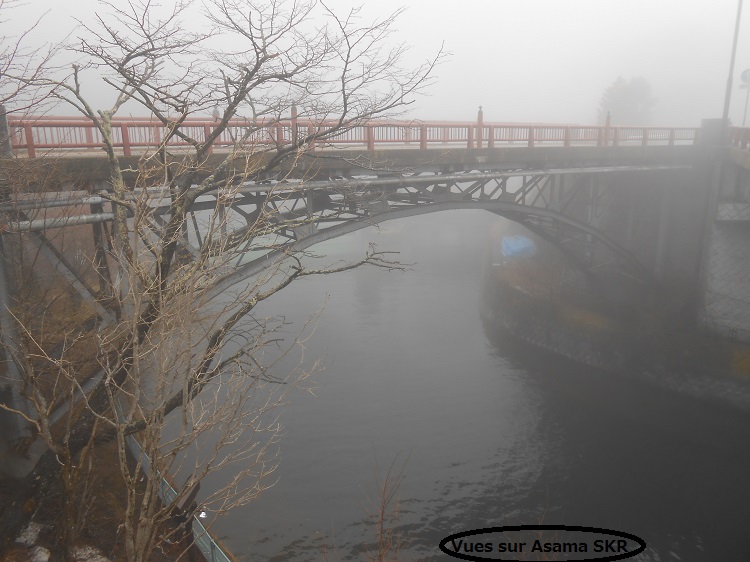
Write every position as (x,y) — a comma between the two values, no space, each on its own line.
(664,218)
(724,299)
(9,339)
(6,150)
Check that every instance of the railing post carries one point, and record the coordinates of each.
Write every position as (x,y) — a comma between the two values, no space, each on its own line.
(29,141)
(295,137)
(616,139)
(671,137)
(125,139)
(607,126)
(644,140)
(370,138)
(157,136)
(491,137)
(600,136)
(566,137)
(531,137)
(470,136)
(423,137)
(407,134)
(480,126)
(206,134)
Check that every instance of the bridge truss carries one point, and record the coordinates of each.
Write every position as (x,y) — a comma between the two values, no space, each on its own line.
(559,205)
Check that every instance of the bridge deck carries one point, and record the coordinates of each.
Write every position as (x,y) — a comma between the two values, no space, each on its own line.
(347,163)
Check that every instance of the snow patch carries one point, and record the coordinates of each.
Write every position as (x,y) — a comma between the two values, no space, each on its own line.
(89,554)
(39,554)
(30,535)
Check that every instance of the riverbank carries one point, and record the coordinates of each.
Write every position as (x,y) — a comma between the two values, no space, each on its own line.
(636,344)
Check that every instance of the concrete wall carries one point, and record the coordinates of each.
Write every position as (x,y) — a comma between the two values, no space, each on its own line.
(658,216)
(725,309)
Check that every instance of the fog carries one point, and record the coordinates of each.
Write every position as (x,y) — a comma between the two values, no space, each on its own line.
(535,60)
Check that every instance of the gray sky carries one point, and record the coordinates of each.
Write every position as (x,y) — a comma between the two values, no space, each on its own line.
(546,60)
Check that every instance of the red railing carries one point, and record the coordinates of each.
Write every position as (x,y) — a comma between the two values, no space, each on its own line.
(31,134)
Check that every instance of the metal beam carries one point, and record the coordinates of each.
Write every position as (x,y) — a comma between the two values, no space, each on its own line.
(507,209)
(57,222)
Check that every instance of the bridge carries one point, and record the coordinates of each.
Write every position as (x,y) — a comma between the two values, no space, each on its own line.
(536,174)
(560,181)
(638,210)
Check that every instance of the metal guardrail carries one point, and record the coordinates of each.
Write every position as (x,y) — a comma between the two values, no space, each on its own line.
(31,134)
(208,547)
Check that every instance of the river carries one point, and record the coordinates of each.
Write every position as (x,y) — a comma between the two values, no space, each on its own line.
(488,431)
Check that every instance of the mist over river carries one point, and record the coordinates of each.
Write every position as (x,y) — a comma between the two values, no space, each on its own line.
(490,431)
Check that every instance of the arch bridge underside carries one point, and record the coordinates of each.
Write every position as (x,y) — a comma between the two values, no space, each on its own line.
(562,206)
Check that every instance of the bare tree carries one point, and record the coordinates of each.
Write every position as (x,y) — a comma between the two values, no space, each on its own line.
(186,370)
(21,66)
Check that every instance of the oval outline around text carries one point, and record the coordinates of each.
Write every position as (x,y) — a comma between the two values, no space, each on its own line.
(594,530)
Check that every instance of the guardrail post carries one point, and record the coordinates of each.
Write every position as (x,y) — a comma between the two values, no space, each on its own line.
(644,140)
(531,137)
(600,136)
(491,137)
(671,137)
(423,137)
(370,138)
(480,126)
(279,134)
(566,137)
(125,139)
(29,141)
(470,136)
(407,134)
(616,137)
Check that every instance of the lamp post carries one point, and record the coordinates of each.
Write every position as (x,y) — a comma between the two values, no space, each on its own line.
(728,93)
(745,76)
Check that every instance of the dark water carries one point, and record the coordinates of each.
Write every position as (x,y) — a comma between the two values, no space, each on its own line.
(489,431)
